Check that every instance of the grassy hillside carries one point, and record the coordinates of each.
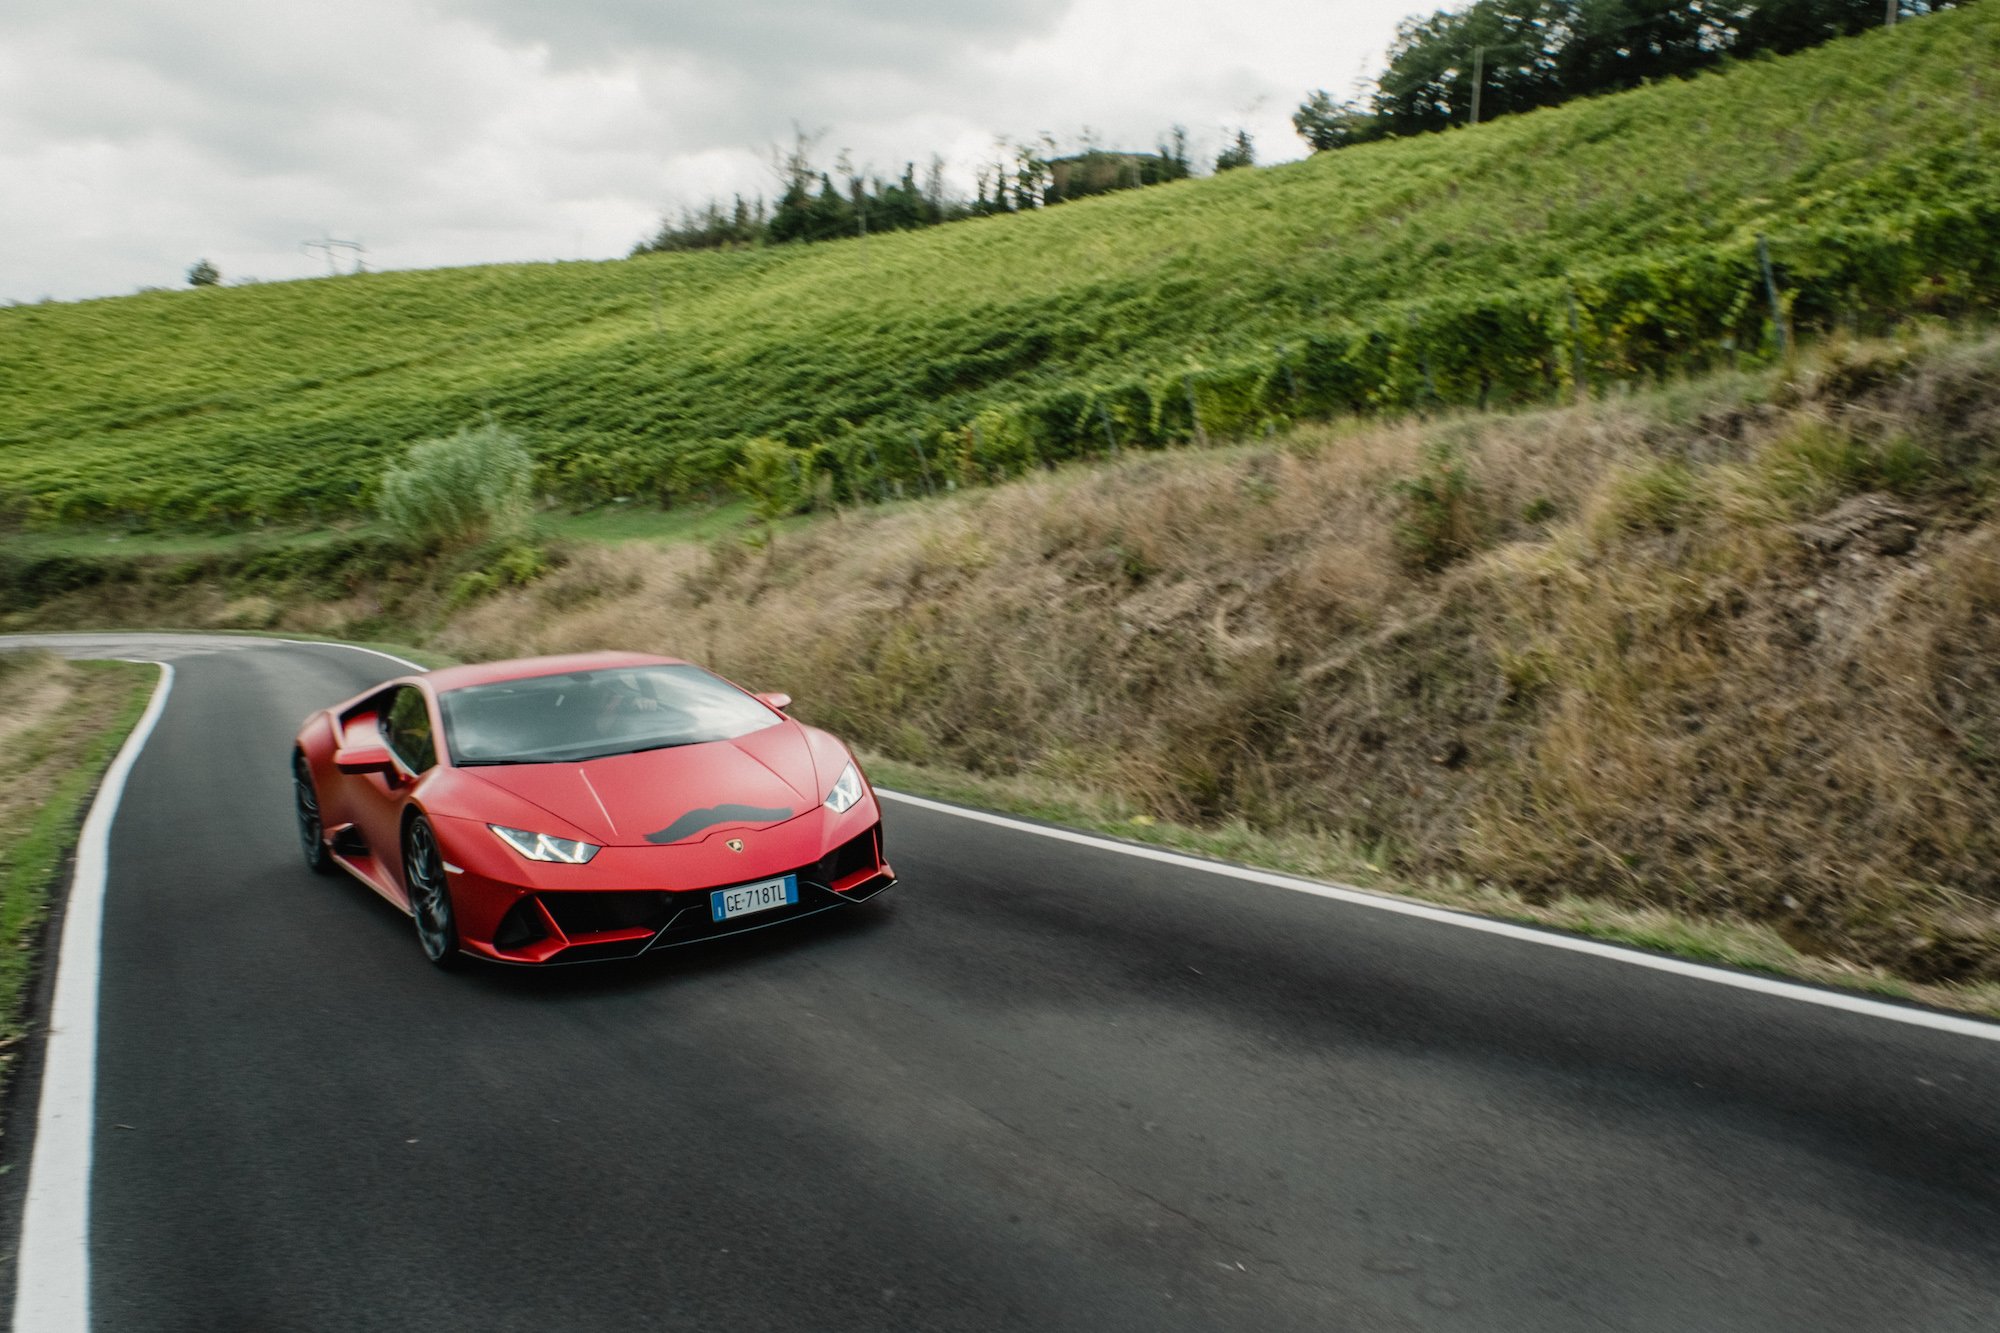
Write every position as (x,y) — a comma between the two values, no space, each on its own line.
(1603,239)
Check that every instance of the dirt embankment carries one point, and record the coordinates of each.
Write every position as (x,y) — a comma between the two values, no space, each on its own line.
(1732,648)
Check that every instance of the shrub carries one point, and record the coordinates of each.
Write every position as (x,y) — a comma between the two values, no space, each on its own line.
(518,566)
(1442,520)
(773,478)
(461,490)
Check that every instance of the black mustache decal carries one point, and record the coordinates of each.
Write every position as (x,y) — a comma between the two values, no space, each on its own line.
(694,821)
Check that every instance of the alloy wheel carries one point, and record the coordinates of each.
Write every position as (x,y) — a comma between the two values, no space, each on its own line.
(312,834)
(430,896)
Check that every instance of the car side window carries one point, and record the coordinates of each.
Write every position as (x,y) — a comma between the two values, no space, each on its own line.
(408,730)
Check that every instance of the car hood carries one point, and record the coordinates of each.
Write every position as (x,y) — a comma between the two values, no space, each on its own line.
(682,794)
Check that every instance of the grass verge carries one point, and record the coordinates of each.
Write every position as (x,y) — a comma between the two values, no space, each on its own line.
(1734,944)
(72,718)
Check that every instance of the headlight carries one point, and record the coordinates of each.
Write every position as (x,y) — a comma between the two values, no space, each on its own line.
(541,847)
(846,791)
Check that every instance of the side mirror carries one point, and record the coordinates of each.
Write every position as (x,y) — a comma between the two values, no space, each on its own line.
(778,701)
(359,759)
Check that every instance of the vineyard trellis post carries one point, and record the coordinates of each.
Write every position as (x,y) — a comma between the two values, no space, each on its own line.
(1577,374)
(1424,362)
(881,478)
(1194,410)
(1104,416)
(923,463)
(1771,291)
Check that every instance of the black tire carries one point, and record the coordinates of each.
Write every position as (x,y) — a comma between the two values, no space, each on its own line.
(430,894)
(312,833)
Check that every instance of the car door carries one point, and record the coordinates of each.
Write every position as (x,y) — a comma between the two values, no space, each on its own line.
(379,798)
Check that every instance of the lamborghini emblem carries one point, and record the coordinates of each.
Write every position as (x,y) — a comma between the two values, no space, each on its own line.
(734,844)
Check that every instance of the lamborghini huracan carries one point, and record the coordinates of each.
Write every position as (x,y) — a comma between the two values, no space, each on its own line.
(566,809)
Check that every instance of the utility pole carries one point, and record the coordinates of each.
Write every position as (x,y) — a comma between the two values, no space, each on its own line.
(1479,70)
(1889,17)
(328,246)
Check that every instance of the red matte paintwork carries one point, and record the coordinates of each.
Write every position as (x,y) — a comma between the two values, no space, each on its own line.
(613,802)
(620,799)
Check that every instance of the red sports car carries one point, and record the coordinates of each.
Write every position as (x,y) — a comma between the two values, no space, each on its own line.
(562,809)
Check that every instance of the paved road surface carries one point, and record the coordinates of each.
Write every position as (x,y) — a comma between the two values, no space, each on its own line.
(1039,1086)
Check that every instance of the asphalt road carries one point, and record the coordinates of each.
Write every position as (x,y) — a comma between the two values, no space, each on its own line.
(1038,1086)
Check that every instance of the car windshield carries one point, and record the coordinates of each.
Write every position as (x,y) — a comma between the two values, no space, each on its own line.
(591,714)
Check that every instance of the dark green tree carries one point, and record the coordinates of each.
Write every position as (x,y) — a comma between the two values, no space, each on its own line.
(1239,152)
(1326,124)
(899,206)
(1032,171)
(201,273)
(938,205)
(1506,56)
(1784,26)
(1613,44)
(1424,87)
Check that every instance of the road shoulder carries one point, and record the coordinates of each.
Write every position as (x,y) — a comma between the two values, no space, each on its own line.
(64,723)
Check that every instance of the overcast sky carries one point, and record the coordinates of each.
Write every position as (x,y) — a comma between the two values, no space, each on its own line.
(137,136)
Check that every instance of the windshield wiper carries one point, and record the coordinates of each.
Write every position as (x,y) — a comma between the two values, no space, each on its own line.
(663,745)
(563,758)
(613,754)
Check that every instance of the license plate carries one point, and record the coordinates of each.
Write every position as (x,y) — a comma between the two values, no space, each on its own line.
(744,899)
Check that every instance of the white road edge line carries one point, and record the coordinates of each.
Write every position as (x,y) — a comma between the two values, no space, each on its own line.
(330,643)
(52,1278)
(1853,1004)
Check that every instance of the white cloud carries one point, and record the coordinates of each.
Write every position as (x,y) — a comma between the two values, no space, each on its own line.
(137,136)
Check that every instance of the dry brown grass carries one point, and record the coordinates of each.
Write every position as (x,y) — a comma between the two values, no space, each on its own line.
(37,686)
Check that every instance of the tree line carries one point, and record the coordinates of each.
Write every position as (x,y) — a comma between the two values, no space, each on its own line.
(1496,57)
(819,204)
(1488,59)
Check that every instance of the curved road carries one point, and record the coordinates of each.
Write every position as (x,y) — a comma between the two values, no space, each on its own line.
(1042,1085)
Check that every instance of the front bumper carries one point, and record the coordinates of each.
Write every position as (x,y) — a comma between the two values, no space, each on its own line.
(575,914)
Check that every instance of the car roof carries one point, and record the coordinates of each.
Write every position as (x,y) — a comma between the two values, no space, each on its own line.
(521,668)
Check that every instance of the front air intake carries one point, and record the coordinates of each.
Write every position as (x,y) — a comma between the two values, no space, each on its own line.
(596,913)
(853,857)
(521,927)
